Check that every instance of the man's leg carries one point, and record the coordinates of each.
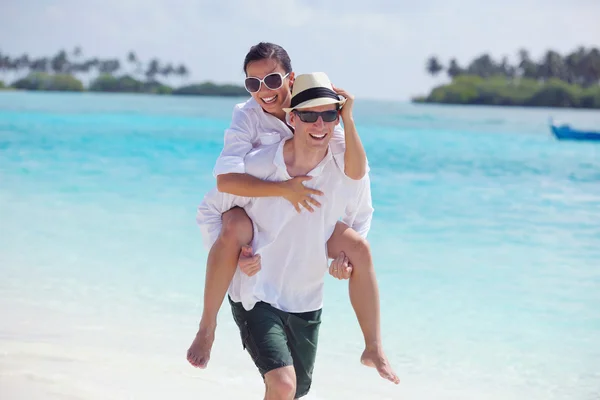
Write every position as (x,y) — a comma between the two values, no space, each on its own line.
(220,268)
(364,295)
(303,338)
(281,384)
(264,337)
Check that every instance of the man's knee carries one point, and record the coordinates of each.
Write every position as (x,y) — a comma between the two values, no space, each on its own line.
(281,383)
(237,227)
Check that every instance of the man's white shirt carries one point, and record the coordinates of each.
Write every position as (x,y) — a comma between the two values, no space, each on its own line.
(292,245)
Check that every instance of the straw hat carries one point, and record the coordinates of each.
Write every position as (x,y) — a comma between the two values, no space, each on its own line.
(312,90)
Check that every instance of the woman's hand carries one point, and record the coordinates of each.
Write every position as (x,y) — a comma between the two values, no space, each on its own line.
(346,111)
(299,195)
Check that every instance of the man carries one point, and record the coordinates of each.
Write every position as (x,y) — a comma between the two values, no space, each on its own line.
(278,308)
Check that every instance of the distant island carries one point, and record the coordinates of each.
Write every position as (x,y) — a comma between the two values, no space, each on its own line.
(62,72)
(554,81)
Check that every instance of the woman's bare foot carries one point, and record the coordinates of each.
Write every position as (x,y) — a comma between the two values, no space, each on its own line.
(199,352)
(375,358)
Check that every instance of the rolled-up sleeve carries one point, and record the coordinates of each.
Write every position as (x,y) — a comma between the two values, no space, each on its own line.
(359,213)
(209,212)
(237,143)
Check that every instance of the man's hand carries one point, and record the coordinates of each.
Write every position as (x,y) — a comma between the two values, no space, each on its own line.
(346,112)
(299,195)
(340,268)
(248,262)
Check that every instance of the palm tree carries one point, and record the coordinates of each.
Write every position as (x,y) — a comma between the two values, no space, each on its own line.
(109,67)
(93,63)
(39,65)
(60,62)
(454,69)
(167,70)
(8,64)
(4,63)
(574,66)
(135,62)
(527,67)
(76,66)
(506,69)
(131,57)
(153,69)
(552,66)
(591,67)
(483,66)
(182,71)
(433,66)
(22,62)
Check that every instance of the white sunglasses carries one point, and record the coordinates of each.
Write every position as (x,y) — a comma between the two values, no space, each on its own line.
(272,81)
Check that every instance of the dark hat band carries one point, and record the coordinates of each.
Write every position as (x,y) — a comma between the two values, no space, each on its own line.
(313,93)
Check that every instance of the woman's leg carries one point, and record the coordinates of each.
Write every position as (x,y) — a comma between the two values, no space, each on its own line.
(364,295)
(221,264)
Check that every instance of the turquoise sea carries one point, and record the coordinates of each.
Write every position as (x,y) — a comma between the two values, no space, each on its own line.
(486,238)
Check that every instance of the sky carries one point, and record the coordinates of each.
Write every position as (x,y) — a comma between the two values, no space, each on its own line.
(373,48)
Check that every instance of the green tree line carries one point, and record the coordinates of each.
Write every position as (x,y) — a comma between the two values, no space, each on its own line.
(554,80)
(62,72)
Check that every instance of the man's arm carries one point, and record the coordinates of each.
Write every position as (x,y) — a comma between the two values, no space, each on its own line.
(355,157)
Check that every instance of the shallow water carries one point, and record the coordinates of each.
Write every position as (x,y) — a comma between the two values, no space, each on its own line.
(486,238)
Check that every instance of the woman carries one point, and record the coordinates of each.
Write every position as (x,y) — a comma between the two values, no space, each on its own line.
(262,121)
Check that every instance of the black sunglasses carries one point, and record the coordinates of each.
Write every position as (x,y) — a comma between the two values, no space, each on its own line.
(312,116)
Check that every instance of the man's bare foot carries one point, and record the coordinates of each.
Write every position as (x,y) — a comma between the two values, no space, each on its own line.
(375,358)
(199,352)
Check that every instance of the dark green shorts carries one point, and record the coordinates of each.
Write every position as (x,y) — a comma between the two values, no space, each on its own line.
(276,339)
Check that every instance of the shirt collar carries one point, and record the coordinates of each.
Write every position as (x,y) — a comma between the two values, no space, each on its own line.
(251,103)
(279,161)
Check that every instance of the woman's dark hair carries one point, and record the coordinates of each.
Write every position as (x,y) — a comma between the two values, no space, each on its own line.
(265,50)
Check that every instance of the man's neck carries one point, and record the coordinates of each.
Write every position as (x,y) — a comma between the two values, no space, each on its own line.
(299,159)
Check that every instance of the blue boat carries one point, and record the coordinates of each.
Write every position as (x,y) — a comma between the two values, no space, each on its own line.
(565,132)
